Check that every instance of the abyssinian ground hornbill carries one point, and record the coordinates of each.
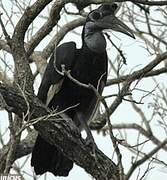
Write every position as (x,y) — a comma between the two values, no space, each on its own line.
(88,65)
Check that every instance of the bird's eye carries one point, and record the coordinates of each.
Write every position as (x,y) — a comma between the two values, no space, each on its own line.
(96,15)
(114,7)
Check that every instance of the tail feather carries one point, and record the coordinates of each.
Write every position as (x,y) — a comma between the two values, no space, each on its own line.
(46,157)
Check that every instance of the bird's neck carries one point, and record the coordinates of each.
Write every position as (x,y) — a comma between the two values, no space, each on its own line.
(95,41)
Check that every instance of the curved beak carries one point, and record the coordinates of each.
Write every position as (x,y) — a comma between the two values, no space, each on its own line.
(111,22)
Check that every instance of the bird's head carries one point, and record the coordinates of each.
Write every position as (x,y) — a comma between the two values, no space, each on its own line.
(104,18)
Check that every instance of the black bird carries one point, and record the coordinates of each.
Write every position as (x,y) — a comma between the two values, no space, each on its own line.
(88,65)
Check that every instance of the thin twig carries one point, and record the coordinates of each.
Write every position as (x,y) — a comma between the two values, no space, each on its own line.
(144,159)
(43,118)
(118,49)
(7,37)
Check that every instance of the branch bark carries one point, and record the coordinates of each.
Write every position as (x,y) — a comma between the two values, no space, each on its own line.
(60,131)
(23,148)
(46,28)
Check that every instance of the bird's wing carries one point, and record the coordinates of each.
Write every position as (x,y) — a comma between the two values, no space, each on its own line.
(94,104)
(92,109)
(52,78)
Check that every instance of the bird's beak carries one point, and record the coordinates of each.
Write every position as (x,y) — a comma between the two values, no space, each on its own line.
(111,22)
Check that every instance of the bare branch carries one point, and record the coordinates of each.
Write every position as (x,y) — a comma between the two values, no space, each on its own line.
(46,28)
(145,158)
(7,37)
(139,128)
(149,73)
(61,131)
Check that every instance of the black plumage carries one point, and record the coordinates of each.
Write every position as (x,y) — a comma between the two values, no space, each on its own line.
(88,65)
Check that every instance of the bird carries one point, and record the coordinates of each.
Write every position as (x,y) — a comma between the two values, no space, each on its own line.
(87,65)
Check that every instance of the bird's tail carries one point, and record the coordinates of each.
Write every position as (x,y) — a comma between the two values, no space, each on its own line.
(46,157)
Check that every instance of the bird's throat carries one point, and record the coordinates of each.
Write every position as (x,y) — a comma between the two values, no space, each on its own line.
(95,42)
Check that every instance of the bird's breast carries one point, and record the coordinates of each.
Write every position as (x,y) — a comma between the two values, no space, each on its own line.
(89,71)
(85,70)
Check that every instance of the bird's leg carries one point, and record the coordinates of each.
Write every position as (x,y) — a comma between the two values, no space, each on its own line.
(89,138)
(84,125)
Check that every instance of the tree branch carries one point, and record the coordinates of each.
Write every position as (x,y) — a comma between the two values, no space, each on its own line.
(60,131)
(23,148)
(46,28)
(82,3)
(137,127)
(125,77)
(145,158)
(129,79)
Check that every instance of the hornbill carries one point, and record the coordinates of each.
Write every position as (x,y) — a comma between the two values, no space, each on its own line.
(87,65)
